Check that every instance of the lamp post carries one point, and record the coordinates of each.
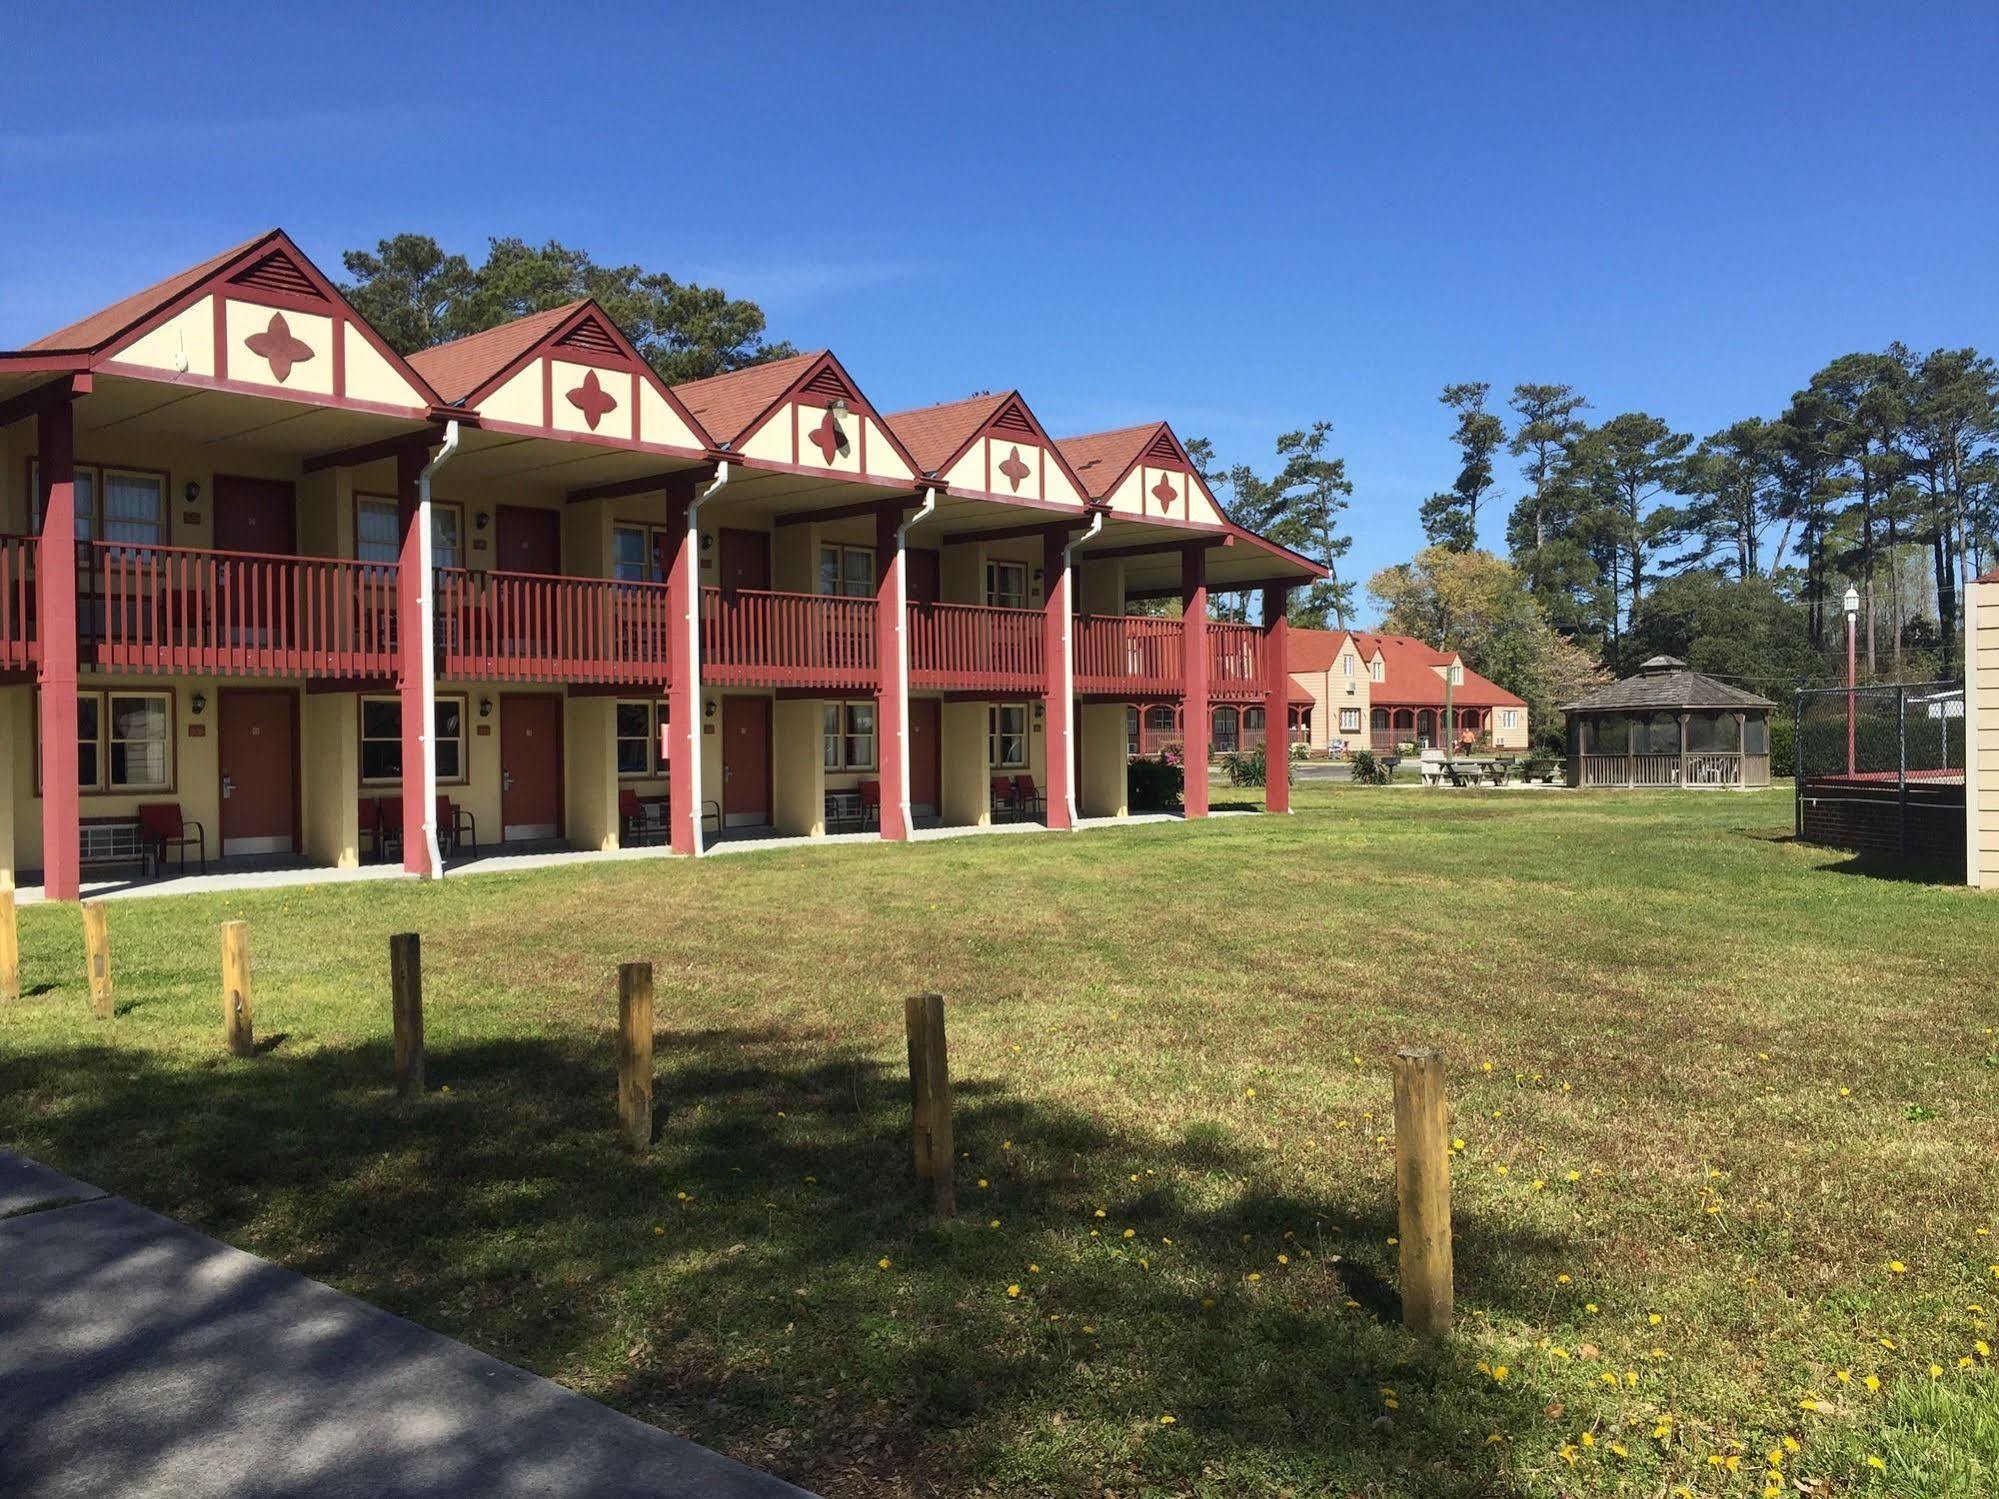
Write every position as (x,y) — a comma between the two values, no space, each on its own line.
(1852,602)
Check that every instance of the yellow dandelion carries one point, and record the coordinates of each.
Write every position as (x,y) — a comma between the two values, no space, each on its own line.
(1936,1371)
(1590,1307)
(1013,1290)
(1873,1383)
(882,1263)
(1166,1421)
(1842,1375)
(1284,1259)
(1131,1233)
(1617,1448)
(1876,1464)
(1896,1267)
(1562,1279)
(1654,1318)
(1499,1373)
(993,1224)
(983,1183)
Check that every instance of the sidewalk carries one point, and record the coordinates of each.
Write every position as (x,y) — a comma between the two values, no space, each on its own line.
(141,1358)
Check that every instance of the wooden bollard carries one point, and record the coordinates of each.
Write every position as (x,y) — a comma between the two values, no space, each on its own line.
(97,958)
(406,991)
(10,947)
(1423,1190)
(635,1055)
(930,1099)
(237,1015)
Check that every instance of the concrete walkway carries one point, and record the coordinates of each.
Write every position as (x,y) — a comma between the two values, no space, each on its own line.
(143,1359)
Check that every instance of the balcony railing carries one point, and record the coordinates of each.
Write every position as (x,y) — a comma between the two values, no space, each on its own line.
(182,609)
(757,638)
(526,627)
(1235,661)
(1139,654)
(969,647)
(18,645)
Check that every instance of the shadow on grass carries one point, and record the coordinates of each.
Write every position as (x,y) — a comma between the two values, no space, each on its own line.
(728,1286)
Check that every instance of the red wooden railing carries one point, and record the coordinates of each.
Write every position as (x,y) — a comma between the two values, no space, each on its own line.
(528,627)
(18,645)
(182,609)
(1128,653)
(756,638)
(1235,661)
(972,647)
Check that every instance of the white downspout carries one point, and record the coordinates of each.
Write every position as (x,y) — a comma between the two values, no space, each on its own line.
(692,548)
(1069,660)
(901,605)
(427,644)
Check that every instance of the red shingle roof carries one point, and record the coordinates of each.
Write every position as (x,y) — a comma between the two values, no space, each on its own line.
(460,367)
(934,434)
(100,328)
(1314,650)
(726,404)
(1100,458)
(1410,675)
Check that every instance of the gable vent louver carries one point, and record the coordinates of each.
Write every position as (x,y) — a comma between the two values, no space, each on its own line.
(278,272)
(591,336)
(828,385)
(1013,418)
(1162,449)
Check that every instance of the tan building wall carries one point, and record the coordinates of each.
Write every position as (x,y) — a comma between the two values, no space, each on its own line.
(1981,735)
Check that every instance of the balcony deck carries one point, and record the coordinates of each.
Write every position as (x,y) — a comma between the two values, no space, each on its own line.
(969,647)
(527,627)
(760,638)
(19,647)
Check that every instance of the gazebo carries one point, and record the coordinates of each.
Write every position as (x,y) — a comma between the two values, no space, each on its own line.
(1669,726)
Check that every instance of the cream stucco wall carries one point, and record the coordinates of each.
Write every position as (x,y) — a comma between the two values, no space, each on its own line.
(330,727)
(590,765)
(1103,788)
(16,712)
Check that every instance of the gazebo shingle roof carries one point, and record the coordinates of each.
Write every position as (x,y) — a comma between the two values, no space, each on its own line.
(1665,683)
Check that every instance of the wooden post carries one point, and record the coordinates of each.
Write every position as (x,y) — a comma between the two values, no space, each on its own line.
(635,1055)
(930,1099)
(406,990)
(1423,1190)
(10,947)
(97,958)
(237,1016)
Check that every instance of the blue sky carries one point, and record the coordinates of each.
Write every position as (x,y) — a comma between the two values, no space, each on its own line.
(1239,218)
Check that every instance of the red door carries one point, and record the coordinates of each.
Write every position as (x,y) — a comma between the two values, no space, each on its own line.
(255,515)
(746,758)
(926,574)
(926,744)
(257,749)
(527,540)
(530,767)
(745,560)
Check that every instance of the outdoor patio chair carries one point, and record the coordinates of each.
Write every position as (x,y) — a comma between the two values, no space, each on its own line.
(161,827)
(389,827)
(636,829)
(457,829)
(368,828)
(871,804)
(1027,800)
(1006,806)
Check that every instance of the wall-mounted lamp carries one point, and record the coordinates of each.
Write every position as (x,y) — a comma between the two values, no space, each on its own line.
(709,711)
(707,540)
(839,406)
(485,707)
(193,491)
(198,702)
(481,521)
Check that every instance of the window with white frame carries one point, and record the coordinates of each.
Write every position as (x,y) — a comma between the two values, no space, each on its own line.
(1006,585)
(1006,732)
(382,739)
(849,732)
(1374,670)
(635,554)
(124,741)
(1346,663)
(847,571)
(1349,720)
(638,739)
(378,532)
(1509,718)
(112,504)
(1457,674)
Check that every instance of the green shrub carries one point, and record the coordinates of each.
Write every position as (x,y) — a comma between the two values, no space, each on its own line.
(1251,769)
(1370,770)
(1783,745)
(1156,783)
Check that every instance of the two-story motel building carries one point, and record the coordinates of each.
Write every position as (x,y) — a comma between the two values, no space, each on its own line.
(256,566)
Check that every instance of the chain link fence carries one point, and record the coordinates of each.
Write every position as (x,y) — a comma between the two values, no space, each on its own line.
(1881,769)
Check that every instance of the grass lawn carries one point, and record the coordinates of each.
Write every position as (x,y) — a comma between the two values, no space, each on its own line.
(1727,1201)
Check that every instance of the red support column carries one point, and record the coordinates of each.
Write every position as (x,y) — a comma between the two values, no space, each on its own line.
(1058,694)
(1195,715)
(678,559)
(55,601)
(1276,700)
(412,678)
(892,683)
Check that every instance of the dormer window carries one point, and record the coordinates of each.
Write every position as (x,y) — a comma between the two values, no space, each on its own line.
(1374,671)
(1457,674)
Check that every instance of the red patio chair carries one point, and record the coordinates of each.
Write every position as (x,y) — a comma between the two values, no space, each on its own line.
(1006,806)
(162,827)
(871,804)
(368,823)
(1027,797)
(457,828)
(389,827)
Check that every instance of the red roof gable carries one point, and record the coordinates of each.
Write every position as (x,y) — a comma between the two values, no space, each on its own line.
(1100,459)
(935,435)
(101,327)
(458,368)
(1410,674)
(727,404)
